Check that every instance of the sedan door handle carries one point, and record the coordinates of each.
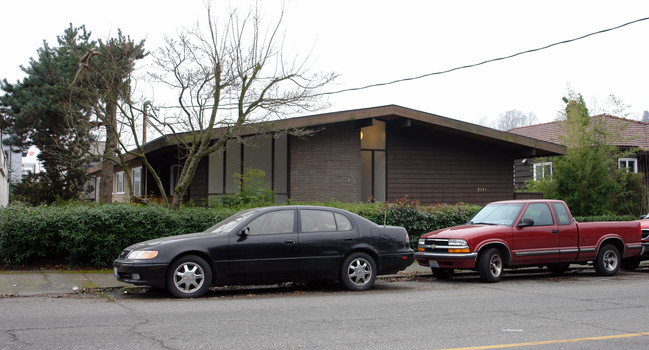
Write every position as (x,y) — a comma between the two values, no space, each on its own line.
(289,242)
(555,232)
(349,239)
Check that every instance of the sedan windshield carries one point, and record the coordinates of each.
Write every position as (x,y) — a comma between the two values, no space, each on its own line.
(231,222)
(498,214)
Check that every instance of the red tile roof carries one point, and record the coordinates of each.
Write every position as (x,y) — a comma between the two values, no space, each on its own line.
(632,133)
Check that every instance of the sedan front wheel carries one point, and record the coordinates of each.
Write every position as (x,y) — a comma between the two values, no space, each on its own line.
(189,277)
(358,272)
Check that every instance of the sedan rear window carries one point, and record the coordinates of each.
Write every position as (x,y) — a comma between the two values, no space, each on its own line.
(323,221)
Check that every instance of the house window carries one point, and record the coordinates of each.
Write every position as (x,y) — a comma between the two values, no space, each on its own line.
(542,170)
(373,162)
(631,164)
(173,177)
(137,181)
(119,182)
(97,189)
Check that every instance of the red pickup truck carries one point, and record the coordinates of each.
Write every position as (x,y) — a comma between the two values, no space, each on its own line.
(521,233)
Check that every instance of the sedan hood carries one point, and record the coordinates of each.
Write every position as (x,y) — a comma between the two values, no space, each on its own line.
(465,231)
(163,240)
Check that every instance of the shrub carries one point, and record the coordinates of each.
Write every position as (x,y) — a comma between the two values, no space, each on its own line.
(93,235)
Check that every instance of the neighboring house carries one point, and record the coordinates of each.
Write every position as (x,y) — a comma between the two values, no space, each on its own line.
(91,186)
(632,135)
(381,153)
(4,176)
(14,156)
(30,163)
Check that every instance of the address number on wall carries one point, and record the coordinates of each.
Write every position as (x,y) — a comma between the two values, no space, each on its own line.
(482,189)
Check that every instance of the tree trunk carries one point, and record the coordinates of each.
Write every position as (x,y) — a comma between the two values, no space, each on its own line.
(185,179)
(107,173)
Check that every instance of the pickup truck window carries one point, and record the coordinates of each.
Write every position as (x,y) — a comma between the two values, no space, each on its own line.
(560,210)
(498,214)
(540,213)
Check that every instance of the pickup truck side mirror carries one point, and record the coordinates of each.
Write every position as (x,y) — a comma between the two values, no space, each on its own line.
(525,222)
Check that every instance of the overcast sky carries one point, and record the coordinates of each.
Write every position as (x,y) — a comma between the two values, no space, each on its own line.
(369,42)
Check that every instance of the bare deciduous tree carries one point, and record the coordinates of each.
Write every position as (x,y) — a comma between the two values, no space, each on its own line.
(227,80)
(514,119)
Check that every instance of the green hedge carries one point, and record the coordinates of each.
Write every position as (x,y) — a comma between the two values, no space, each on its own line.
(93,235)
(90,235)
(605,218)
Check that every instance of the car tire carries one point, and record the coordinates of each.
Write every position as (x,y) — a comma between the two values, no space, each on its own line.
(442,274)
(490,265)
(630,264)
(607,262)
(358,272)
(189,277)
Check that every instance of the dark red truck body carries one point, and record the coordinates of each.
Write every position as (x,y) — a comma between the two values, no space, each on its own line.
(528,233)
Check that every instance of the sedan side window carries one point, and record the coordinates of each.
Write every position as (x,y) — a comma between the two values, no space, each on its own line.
(342,222)
(281,221)
(540,213)
(317,221)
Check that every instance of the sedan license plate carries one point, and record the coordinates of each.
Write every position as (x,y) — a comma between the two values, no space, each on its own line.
(433,263)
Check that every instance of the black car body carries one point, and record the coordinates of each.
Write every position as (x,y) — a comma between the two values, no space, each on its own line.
(269,245)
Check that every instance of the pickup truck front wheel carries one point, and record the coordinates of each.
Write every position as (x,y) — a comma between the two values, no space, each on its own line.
(607,261)
(490,265)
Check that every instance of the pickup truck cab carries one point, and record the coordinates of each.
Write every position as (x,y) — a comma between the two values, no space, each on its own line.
(519,233)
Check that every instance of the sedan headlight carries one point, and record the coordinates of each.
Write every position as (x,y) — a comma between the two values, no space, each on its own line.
(142,254)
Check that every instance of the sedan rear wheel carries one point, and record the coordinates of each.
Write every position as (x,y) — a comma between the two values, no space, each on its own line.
(358,272)
(189,277)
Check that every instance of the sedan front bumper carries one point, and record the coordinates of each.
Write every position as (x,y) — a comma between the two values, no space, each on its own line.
(138,273)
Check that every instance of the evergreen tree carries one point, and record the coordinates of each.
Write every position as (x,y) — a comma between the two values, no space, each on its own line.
(587,177)
(43,110)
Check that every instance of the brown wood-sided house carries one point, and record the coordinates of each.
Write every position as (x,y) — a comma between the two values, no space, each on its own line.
(381,153)
(629,135)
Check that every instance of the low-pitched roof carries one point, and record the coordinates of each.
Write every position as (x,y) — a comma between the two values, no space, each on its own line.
(523,145)
(632,133)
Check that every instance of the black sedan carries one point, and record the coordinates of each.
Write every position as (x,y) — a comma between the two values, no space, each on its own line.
(266,246)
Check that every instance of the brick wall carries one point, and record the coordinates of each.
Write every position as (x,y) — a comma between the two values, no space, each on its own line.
(326,166)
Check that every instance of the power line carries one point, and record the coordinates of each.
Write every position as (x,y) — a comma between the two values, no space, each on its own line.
(230,106)
(483,62)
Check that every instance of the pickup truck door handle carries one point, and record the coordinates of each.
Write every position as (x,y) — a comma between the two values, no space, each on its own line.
(555,232)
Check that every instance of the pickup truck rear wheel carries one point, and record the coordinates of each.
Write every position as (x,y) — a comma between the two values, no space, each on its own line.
(607,261)
(490,265)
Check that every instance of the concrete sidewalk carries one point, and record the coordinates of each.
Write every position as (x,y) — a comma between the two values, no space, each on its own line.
(52,282)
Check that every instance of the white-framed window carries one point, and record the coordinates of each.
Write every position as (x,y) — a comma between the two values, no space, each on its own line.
(137,181)
(631,164)
(542,170)
(119,183)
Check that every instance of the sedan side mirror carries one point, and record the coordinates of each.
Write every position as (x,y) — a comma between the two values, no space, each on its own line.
(525,222)
(244,232)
